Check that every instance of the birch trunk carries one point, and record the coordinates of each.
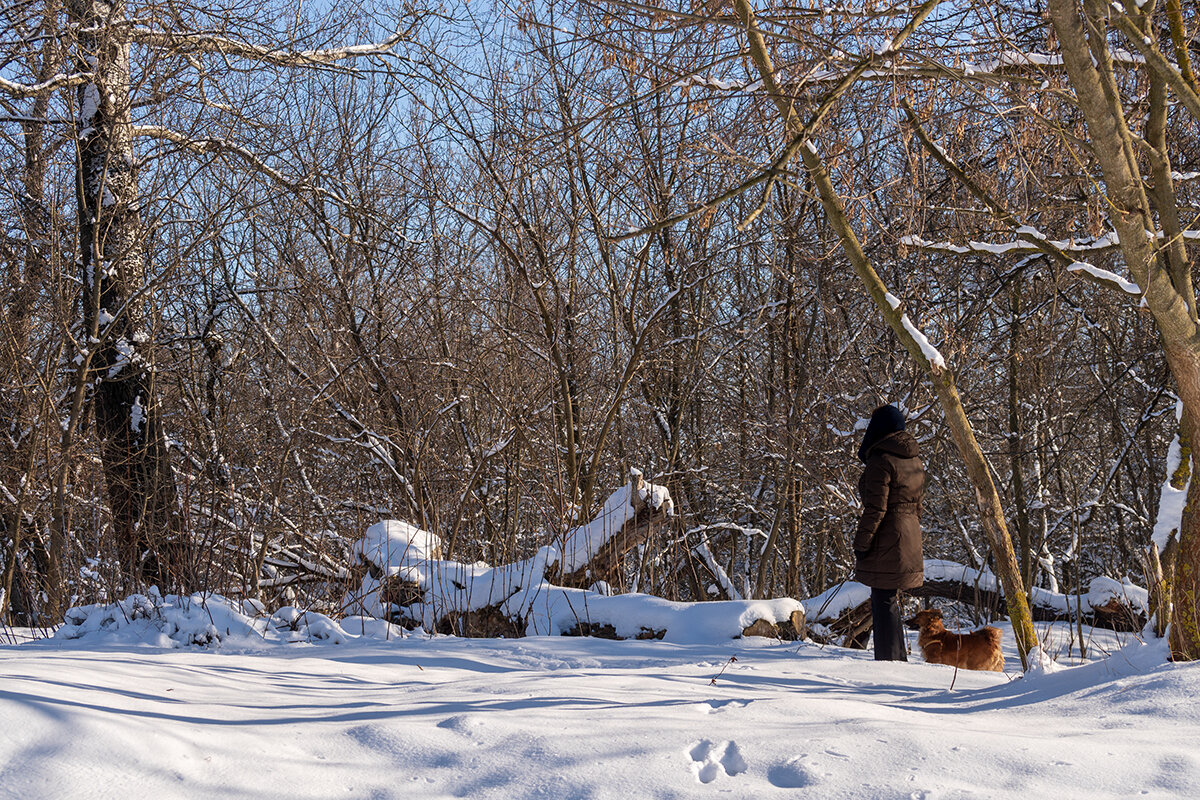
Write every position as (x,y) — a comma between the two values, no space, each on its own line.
(138,477)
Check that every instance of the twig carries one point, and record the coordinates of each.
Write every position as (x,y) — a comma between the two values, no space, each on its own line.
(732,660)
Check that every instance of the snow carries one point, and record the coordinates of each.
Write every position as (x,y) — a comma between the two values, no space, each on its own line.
(931,353)
(125,355)
(137,414)
(89,105)
(396,543)
(582,543)
(1127,286)
(836,600)
(420,717)
(1171,500)
(208,621)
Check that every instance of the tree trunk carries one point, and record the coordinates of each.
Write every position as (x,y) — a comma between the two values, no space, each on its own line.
(1168,295)
(137,470)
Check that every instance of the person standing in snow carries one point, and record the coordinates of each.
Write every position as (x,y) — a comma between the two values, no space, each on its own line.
(887,542)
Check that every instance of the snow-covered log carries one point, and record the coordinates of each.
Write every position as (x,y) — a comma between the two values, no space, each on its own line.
(563,611)
(403,580)
(593,552)
(1107,603)
(842,614)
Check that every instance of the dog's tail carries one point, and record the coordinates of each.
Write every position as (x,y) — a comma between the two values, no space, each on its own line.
(993,635)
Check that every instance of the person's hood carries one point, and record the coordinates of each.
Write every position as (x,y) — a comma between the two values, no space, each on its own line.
(902,444)
(885,420)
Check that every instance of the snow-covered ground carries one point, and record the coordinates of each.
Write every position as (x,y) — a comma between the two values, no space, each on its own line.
(568,718)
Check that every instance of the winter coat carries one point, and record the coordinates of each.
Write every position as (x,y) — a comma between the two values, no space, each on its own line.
(888,540)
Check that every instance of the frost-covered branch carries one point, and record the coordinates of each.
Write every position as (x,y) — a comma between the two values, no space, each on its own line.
(189,42)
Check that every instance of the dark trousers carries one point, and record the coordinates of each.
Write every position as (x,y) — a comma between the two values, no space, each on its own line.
(889,631)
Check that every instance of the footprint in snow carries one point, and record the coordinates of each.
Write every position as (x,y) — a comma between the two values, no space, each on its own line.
(716,706)
(792,774)
(710,760)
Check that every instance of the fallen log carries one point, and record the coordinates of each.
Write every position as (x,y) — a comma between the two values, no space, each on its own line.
(789,630)
(1110,604)
(840,615)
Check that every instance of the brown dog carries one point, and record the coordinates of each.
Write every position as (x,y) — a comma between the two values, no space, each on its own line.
(977,650)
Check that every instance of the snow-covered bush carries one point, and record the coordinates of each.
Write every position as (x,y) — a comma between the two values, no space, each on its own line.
(208,620)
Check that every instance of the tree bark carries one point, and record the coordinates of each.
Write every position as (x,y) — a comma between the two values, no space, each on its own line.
(1089,69)
(138,476)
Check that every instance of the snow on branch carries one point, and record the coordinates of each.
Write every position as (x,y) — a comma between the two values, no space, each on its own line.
(1036,242)
(1032,243)
(33,90)
(931,353)
(1008,66)
(1106,277)
(222,45)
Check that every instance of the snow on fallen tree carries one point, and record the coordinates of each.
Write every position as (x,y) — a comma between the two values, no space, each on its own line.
(592,553)
(842,614)
(404,581)
(1107,603)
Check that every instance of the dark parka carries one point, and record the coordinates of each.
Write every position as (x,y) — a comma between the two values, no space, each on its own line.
(888,540)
